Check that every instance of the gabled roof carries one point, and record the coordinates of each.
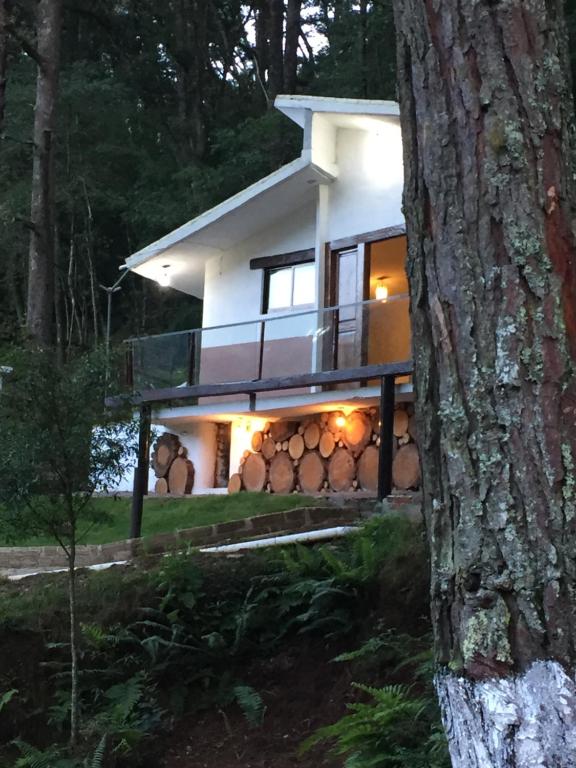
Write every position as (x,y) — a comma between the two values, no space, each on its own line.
(187,248)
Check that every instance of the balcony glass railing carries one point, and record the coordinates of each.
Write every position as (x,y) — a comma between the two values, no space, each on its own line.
(335,338)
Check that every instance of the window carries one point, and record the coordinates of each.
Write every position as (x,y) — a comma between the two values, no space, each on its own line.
(289,287)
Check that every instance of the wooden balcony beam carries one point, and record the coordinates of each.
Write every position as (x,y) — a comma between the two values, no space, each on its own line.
(323,378)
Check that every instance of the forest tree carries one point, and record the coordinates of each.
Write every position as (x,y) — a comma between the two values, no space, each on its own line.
(41,259)
(487,120)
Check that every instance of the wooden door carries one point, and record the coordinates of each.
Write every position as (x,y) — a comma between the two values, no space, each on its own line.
(349,275)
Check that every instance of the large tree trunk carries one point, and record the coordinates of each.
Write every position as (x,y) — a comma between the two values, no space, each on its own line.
(191,58)
(276,60)
(40,312)
(487,116)
(293,28)
(3,59)
(262,35)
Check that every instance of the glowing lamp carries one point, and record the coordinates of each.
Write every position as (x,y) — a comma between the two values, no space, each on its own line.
(381,290)
(340,421)
(164,279)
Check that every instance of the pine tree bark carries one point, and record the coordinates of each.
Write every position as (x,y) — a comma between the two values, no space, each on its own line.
(276,54)
(191,58)
(262,41)
(40,305)
(487,115)
(293,28)
(3,59)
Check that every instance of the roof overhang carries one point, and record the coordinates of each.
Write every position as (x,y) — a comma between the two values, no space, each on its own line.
(353,113)
(219,229)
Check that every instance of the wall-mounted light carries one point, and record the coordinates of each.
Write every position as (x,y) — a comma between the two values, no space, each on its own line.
(164,278)
(381,289)
(340,421)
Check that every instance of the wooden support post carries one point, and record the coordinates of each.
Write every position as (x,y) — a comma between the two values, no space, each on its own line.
(252,398)
(193,377)
(387,392)
(141,475)
(129,370)
(261,349)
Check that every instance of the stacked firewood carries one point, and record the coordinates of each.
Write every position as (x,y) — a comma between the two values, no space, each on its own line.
(327,452)
(175,472)
(406,463)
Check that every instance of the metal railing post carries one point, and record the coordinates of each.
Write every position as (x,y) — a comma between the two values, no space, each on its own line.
(335,335)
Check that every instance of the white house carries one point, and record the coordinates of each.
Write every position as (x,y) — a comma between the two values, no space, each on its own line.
(300,274)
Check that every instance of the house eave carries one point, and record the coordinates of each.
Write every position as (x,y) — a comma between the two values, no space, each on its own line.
(207,234)
(296,107)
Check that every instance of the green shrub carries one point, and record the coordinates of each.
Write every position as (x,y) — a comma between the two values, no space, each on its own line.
(395,727)
(392,730)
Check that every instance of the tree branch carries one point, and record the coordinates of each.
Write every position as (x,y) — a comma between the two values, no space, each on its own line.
(28,224)
(26,45)
(307,46)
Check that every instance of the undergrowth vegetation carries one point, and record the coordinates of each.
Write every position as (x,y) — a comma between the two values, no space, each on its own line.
(395,726)
(176,635)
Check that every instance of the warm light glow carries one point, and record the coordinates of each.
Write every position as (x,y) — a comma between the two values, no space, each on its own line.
(340,421)
(164,279)
(381,291)
(243,427)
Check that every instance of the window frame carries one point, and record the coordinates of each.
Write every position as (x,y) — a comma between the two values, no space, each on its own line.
(266,309)
(284,261)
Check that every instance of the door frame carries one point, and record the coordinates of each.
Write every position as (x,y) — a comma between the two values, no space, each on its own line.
(346,243)
(362,243)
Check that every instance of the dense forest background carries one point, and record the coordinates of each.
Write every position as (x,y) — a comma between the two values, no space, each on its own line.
(163,110)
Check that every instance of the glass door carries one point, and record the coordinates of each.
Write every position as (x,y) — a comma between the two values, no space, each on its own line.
(348,285)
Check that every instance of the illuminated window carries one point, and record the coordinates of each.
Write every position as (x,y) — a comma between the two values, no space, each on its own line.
(289,287)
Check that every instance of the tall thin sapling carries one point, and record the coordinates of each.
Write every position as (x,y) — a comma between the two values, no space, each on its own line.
(60,445)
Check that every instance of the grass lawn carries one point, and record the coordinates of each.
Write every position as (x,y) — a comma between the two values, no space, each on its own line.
(167,514)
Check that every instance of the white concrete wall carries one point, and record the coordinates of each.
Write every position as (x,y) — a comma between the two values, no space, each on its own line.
(241,438)
(199,438)
(323,149)
(368,192)
(233,291)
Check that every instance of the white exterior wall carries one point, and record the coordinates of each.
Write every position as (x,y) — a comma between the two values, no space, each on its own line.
(241,433)
(368,192)
(199,438)
(323,138)
(233,291)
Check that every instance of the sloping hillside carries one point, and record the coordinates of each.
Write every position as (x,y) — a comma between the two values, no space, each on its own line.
(211,662)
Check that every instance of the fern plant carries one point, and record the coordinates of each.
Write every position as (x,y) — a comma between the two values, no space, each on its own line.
(128,715)
(53,757)
(251,704)
(96,760)
(393,730)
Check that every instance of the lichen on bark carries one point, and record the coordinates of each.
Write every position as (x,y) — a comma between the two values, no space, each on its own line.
(487,116)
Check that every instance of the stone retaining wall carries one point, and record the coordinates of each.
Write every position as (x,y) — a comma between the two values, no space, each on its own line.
(291,521)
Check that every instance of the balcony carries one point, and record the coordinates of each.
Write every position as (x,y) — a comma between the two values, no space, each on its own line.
(286,351)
